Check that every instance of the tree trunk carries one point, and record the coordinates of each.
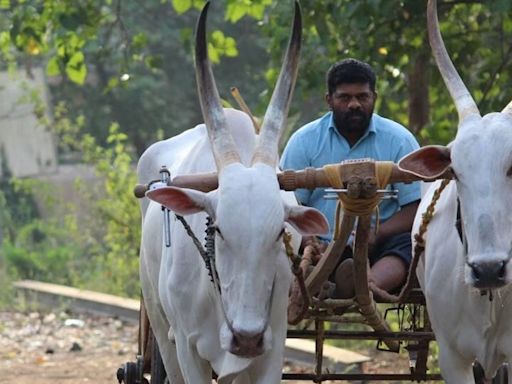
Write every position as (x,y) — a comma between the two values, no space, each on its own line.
(417,83)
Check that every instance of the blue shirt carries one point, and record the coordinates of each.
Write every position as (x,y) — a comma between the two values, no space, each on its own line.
(319,143)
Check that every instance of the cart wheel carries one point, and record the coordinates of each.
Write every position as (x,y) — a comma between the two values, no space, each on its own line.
(500,378)
(158,375)
(127,374)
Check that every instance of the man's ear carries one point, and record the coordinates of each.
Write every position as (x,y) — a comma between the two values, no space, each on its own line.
(328,100)
(180,200)
(428,162)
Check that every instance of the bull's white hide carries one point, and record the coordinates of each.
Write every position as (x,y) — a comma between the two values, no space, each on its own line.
(467,324)
(466,280)
(179,296)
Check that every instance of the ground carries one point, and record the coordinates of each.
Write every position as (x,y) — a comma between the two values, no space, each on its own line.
(62,348)
(65,348)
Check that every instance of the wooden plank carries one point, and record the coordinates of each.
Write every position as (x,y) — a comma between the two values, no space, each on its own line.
(81,299)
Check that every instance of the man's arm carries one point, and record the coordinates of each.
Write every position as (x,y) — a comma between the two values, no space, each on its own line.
(400,222)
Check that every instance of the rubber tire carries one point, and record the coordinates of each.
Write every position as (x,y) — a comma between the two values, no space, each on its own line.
(158,374)
(500,378)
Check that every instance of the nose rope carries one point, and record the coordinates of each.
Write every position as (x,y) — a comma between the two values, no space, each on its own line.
(208,257)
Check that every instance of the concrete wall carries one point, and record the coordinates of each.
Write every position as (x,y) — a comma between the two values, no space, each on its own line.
(26,146)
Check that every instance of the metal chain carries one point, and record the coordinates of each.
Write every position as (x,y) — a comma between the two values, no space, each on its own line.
(207,255)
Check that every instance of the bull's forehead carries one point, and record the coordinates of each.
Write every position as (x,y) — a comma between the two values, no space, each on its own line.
(483,146)
(250,195)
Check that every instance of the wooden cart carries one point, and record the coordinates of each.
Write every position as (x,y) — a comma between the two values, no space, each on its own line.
(359,186)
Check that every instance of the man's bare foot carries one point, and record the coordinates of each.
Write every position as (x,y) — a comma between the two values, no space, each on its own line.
(344,278)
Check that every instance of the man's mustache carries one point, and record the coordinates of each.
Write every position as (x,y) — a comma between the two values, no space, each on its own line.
(350,114)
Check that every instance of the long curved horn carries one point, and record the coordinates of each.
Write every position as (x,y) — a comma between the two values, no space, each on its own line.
(277,110)
(508,109)
(463,101)
(223,145)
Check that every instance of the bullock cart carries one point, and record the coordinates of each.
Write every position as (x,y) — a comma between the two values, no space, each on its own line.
(358,185)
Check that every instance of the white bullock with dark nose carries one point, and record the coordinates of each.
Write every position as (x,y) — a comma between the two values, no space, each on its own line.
(237,328)
(465,271)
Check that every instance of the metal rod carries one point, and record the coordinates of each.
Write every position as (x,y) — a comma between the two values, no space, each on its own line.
(164,178)
(361,377)
(361,335)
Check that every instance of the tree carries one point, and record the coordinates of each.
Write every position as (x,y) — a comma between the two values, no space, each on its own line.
(136,64)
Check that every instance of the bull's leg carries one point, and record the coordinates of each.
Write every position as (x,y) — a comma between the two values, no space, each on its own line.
(160,327)
(454,367)
(195,369)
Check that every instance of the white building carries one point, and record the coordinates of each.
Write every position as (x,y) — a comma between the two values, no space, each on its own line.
(25,145)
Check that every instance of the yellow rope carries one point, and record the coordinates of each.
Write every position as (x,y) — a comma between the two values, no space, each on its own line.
(427,216)
(287,241)
(356,206)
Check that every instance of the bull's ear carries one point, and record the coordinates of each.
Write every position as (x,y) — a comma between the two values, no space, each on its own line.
(428,162)
(180,200)
(306,220)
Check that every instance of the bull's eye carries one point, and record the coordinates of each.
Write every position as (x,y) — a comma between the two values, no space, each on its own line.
(219,232)
(454,175)
(280,235)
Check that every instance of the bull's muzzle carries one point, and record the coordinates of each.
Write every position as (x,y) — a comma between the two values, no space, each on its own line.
(245,344)
(491,274)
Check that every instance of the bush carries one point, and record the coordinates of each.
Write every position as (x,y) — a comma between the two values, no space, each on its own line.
(100,251)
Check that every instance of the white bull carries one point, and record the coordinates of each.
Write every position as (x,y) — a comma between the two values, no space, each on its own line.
(467,279)
(240,333)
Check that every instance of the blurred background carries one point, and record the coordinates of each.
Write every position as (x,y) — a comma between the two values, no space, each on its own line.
(86,86)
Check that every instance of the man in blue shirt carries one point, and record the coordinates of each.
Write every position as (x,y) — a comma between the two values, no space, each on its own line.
(352,131)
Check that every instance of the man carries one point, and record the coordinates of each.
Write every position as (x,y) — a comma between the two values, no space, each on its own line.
(352,131)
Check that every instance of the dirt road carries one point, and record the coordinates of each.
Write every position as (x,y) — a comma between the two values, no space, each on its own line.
(64,348)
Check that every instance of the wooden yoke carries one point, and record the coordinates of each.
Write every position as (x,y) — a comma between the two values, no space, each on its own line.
(289,180)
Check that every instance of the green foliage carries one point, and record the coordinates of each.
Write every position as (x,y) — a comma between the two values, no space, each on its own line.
(135,61)
(131,63)
(96,248)
(118,212)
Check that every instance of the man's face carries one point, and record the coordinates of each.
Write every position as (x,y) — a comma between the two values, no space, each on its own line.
(352,106)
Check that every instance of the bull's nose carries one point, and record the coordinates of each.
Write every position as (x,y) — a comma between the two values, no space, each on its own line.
(247,344)
(488,274)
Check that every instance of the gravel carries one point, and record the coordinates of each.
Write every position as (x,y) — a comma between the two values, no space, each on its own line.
(44,348)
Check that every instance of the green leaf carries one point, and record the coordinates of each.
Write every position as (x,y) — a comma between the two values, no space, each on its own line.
(235,12)
(154,61)
(76,68)
(140,40)
(213,54)
(181,6)
(53,68)
(230,49)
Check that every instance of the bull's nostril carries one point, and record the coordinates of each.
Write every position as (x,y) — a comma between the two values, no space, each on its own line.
(236,342)
(474,271)
(260,342)
(502,270)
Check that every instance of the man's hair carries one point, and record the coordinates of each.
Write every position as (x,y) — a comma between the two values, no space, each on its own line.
(350,71)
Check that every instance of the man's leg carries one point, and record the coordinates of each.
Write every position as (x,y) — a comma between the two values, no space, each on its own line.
(389,267)
(388,273)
